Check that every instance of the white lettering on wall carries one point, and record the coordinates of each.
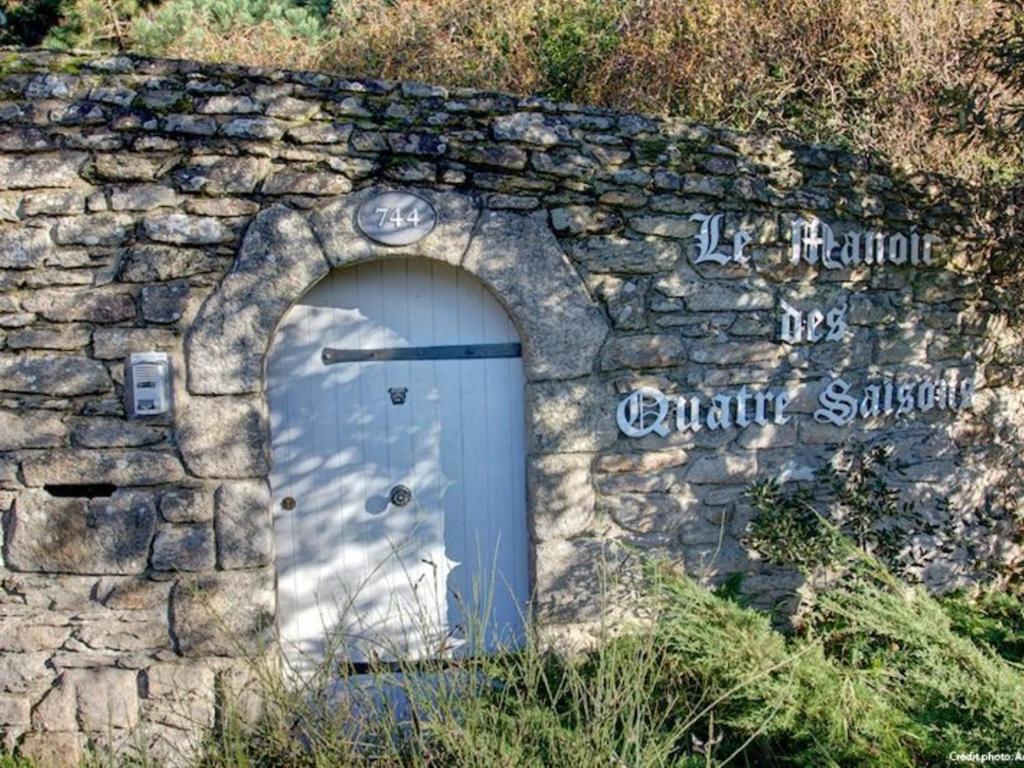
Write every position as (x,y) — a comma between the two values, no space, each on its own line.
(647,409)
(814,242)
(642,412)
(888,398)
(812,326)
(709,236)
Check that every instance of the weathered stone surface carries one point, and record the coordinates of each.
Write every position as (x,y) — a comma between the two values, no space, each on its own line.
(186,505)
(87,305)
(320,133)
(118,343)
(254,128)
(97,229)
(278,262)
(625,306)
(23,248)
(222,175)
(34,171)
(133,166)
(209,619)
(188,547)
(53,750)
(312,183)
(519,259)
(105,698)
(644,351)
(100,432)
(656,512)
(55,202)
(561,495)
(160,262)
(53,375)
(722,468)
(182,229)
(89,465)
(164,303)
(576,580)
(83,536)
(243,522)
(618,254)
(62,338)
(532,128)
(31,429)
(14,711)
(709,296)
(679,227)
(224,437)
(571,416)
(142,197)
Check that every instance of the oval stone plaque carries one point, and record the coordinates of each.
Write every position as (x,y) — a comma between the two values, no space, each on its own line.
(396,218)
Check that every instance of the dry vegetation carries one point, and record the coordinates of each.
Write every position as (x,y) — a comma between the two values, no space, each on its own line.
(900,77)
(879,75)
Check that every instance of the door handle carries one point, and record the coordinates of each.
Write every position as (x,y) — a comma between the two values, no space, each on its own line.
(400,495)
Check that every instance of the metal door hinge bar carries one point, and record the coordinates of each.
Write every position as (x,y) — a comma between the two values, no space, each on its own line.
(449,352)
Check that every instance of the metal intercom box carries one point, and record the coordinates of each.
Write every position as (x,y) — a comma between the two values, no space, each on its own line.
(148,384)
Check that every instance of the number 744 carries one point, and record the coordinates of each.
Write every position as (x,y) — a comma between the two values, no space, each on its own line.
(393,217)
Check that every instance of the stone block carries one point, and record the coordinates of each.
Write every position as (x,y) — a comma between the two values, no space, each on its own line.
(722,468)
(654,512)
(209,619)
(243,524)
(183,229)
(76,535)
(188,547)
(579,580)
(531,128)
(320,133)
(644,351)
(254,128)
(14,711)
(92,305)
(24,248)
(94,229)
(105,698)
(53,750)
(288,182)
(572,416)
(186,505)
(124,467)
(99,432)
(53,375)
(62,338)
(119,343)
(678,227)
(216,175)
(43,170)
(31,429)
(561,495)
(142,197)
(224,437)
(56,710)
(614,253)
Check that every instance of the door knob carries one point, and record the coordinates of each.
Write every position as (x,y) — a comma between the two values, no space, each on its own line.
(400,495)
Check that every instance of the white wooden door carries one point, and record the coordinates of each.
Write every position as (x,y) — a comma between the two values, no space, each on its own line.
(359,576)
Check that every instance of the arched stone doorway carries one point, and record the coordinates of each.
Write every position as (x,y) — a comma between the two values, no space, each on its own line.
(286,252)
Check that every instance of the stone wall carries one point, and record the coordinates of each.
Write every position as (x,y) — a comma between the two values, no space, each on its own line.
(173,206)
